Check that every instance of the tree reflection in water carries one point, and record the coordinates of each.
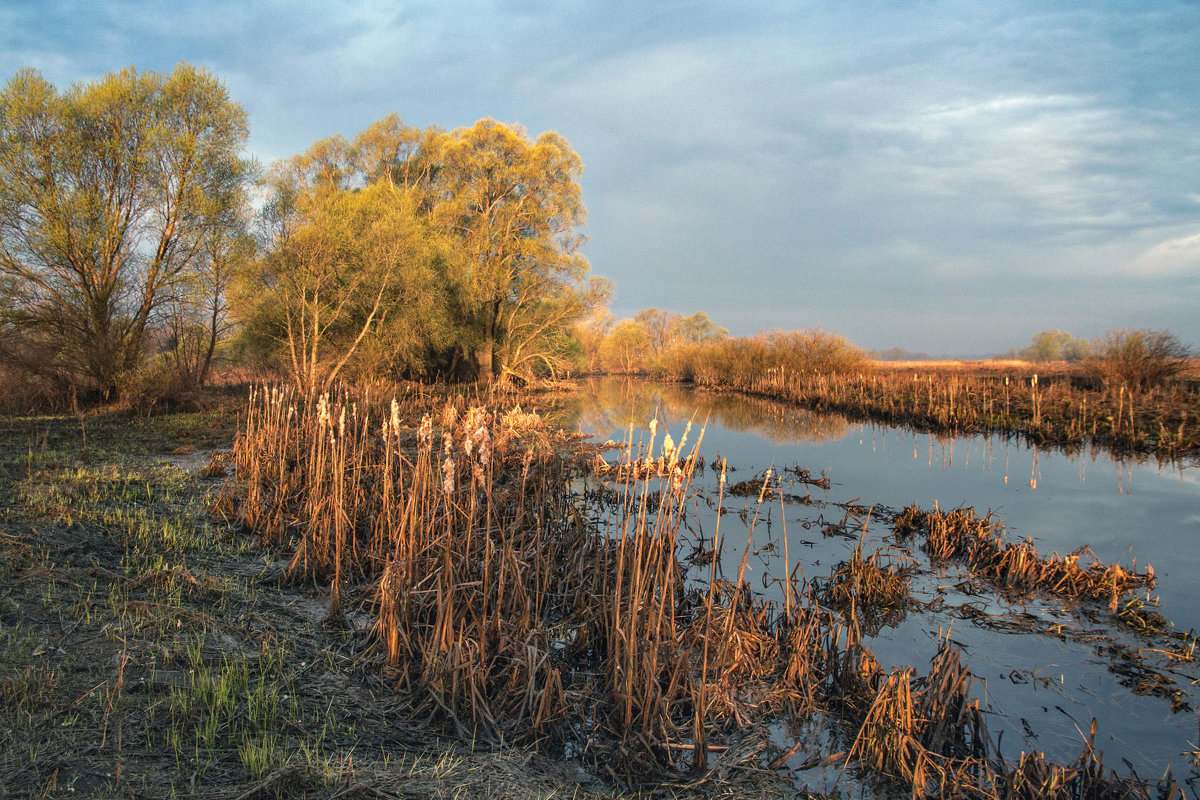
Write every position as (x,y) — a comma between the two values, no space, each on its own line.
(611,405)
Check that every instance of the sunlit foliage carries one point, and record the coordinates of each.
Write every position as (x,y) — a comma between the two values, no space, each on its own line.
(1137,360)
(489,284)
(114,196)
(1056,345)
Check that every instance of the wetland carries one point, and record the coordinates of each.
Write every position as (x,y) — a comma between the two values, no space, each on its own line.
(461,594)
(1050,664)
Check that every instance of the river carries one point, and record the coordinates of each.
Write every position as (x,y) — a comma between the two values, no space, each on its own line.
(1041,691)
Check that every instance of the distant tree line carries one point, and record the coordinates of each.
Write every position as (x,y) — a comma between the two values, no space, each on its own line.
(642,343)
(671,346)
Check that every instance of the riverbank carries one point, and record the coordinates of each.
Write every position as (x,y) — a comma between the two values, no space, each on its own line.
(1053,405)
(150,650)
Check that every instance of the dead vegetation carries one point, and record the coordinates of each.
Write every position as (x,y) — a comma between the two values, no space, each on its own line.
(147,651)
(1061,406)
(516,606)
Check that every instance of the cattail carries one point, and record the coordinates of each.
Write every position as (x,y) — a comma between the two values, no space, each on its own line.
(484,438)
(448,475)
(669,449)
(766,481)
(686,430)
(425,433)
(526,462)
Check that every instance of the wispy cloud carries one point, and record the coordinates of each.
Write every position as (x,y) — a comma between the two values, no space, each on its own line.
(1176,256)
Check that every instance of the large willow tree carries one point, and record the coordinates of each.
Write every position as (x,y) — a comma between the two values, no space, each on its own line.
(513,207)
(111,194)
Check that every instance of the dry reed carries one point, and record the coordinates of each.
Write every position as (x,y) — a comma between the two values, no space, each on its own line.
(525,590)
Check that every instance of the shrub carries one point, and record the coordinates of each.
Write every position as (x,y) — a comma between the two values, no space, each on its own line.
(739,362)
(1137,359)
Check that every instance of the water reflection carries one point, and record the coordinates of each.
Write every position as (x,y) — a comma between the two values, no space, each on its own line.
(608,405)
(1121,509)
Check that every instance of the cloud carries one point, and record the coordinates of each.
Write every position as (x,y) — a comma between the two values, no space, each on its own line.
(774,164)
(1176,256)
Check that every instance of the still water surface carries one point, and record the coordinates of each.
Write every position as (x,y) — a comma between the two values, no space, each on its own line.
(1042,692)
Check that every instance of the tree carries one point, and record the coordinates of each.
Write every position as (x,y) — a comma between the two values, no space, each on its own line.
(199,320)
(512,206)
(389,151)
(592,331)
(109,193)
(349,272)
(665,330)
(659,326)
(1055,345)
(626,347)
(697,329)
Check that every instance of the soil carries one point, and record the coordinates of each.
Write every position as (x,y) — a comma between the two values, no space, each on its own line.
(150,650)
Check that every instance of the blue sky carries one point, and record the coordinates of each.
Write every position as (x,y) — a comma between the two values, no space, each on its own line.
(946,177)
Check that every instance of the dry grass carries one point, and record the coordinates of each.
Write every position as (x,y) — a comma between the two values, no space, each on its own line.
(524,590)
(1060,406)
(962,535)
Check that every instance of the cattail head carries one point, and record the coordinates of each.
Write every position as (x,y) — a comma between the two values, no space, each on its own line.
(425,433)
(448,475)
(766,482)
(686,430)
(483,438)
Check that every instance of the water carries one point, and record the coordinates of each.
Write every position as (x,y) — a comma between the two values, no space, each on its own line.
(1041,691)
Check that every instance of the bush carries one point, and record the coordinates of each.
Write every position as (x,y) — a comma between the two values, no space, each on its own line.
(739,362)
(1138,359)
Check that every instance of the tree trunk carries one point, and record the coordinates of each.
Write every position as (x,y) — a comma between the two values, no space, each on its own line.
(483,359)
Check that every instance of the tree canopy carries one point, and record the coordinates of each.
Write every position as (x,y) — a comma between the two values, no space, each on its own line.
(513,207)
(1056,345)
(355,274)
(489,283)
(110,195)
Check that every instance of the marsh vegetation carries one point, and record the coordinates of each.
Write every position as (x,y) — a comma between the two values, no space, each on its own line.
(353,585)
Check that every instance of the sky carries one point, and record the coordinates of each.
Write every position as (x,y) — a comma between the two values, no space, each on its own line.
(944,177)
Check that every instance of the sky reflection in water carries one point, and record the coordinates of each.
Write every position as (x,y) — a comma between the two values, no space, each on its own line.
(1043,691)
